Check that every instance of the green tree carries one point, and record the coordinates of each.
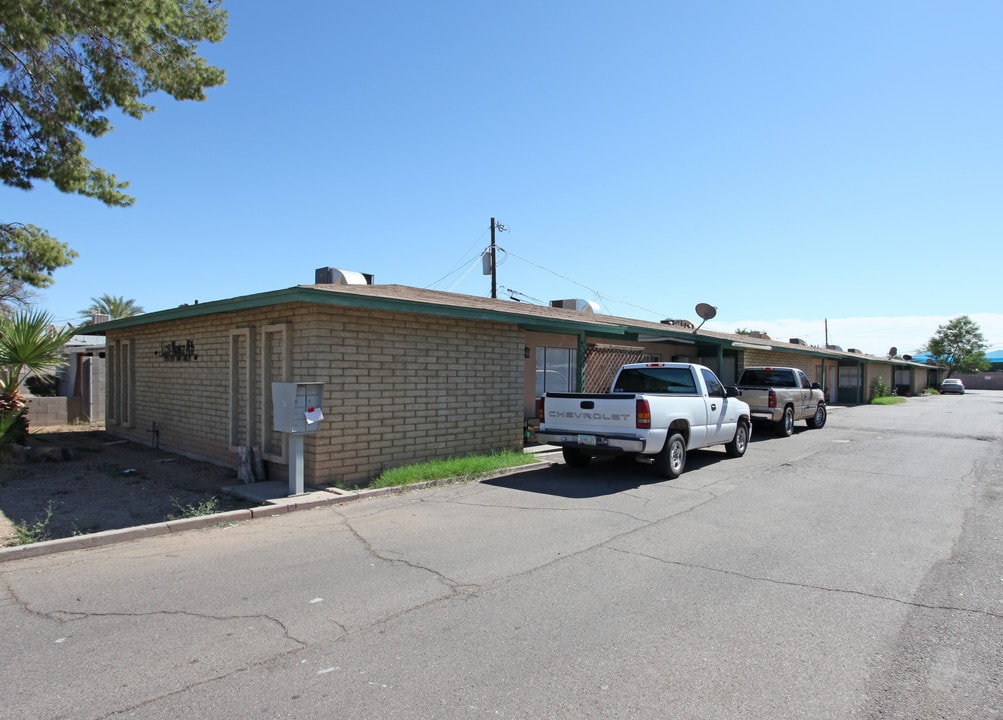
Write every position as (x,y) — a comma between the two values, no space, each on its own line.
(63,65)
(28,257)
(960,346)
(29,343)
(116,306)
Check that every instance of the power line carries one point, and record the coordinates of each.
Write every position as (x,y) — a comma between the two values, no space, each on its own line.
(466,266)
(596,293)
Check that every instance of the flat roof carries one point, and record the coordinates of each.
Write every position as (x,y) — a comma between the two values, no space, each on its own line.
(539,318)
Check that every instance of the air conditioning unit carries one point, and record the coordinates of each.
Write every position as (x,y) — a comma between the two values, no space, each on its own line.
(334,276)
(798,341)
(576,304)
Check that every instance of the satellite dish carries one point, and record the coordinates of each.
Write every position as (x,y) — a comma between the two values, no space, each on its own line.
(907,357)
(893,351)
(705,311)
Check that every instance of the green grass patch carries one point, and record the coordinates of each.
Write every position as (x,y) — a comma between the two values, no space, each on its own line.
(461,467)
(888,400)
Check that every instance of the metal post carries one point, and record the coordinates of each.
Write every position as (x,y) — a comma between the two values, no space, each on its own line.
(295,464)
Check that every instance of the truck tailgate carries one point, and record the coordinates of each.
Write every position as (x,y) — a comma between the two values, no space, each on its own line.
(590,413)
(755,396)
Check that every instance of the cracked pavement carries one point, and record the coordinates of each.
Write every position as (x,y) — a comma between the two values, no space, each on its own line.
(852,571)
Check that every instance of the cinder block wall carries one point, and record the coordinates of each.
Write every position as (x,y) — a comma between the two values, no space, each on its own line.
(399,387)
(46,411)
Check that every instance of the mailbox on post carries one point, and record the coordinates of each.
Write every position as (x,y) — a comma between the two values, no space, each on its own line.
(297,409)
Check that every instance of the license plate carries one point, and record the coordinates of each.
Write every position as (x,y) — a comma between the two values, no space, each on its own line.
(589,440)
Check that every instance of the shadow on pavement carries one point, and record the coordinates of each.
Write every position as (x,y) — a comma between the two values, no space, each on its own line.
(602,476)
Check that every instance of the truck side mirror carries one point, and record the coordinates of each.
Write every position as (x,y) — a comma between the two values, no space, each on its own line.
(816,386)
(731,391)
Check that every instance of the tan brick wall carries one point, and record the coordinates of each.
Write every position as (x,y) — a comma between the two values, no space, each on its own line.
(399,387)
(871,373)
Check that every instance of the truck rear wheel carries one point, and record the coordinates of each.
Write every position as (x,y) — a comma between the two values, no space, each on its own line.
(671,461)
(785,428)
(575,458)
(739,443)
(818,419)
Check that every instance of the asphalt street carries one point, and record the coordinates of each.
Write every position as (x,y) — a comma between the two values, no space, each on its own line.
(850,572)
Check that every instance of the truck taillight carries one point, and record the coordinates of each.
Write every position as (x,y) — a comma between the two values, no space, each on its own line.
(773,398)
(539,409)
(643,413)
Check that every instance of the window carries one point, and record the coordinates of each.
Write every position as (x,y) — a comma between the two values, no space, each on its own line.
(656,380)
(849,377)
(714,386)
(556,370)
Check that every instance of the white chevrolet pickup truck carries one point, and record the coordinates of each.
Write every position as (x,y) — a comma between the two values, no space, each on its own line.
(656,411)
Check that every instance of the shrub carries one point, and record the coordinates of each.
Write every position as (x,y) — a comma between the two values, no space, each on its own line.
(205,507)
(27,533)
(42,385)
(13,425)
(878,388)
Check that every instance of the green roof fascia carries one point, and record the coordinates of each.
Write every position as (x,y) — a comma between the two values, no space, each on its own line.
(184,312)
(323,297)
(843,358)
(526,322)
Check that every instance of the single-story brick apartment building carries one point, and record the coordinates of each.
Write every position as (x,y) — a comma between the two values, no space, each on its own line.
(408,374)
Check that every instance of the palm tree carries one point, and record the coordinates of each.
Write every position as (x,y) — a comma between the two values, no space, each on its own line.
(29,343)
(117,307)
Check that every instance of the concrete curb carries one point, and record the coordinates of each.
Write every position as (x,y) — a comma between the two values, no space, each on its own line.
(277,506)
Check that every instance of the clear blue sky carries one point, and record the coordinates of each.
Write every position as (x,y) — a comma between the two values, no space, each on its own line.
(787,162)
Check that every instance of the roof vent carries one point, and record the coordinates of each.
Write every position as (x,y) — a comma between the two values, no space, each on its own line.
(334,276)
(98,318)
(576,304)
(683,323)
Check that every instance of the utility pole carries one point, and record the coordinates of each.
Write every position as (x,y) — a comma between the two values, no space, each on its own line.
(493,257)
(494,270)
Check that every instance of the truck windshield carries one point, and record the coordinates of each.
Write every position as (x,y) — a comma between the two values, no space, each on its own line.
(656,380)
